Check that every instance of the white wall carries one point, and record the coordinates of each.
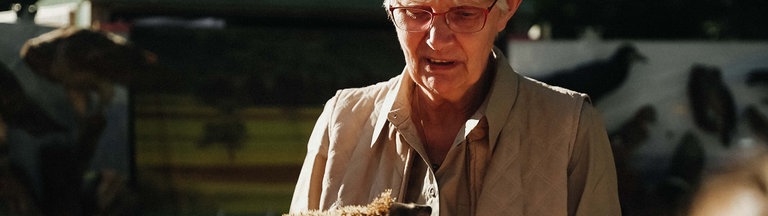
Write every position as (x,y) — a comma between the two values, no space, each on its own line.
(661,82)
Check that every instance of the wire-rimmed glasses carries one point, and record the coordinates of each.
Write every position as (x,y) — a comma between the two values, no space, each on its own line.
(462,19)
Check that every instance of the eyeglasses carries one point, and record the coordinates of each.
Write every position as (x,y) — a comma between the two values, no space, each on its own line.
(463,19)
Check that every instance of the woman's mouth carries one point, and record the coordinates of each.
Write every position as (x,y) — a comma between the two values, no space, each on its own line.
(435,65)
(440,62)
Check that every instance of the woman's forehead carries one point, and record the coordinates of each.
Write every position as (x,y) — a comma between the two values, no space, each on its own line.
(457,2)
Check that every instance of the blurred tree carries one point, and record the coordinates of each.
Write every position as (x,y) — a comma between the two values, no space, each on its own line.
(265,65)
(655,19)
(747,19)
(5,5)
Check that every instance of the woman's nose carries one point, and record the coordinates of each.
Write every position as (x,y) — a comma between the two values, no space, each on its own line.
(439,35)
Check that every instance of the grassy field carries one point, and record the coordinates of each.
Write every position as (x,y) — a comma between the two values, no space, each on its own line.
(178,177)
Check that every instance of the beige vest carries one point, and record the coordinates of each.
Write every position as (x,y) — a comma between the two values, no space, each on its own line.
(550,151)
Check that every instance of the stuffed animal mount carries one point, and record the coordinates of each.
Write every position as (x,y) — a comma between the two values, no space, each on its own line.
(381,206)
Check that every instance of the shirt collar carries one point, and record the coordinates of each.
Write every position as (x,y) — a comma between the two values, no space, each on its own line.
(390,112)
(502,96)
(496,106)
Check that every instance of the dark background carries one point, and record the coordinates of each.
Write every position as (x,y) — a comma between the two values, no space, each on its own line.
(263,69)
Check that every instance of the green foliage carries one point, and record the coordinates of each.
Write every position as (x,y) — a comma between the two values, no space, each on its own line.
(264,65)
(178,177)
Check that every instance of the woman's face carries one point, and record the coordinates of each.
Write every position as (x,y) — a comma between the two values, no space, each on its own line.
(444,62)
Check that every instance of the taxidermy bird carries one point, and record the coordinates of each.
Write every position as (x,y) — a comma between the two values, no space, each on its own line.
(600,77)
(635,130)
(683,177)
(711,102)
(757,76)
(757,122)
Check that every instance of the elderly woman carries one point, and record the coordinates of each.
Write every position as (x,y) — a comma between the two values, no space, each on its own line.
(459,130)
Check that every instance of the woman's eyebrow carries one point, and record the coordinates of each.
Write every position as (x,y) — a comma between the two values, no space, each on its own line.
(422,3)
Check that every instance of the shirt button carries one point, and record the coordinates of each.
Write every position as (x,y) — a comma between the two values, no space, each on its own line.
(431,192)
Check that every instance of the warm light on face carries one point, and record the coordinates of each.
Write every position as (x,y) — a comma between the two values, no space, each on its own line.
(442,59)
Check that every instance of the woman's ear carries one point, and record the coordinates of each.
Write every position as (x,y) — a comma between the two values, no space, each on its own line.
(514,4)
(506,15)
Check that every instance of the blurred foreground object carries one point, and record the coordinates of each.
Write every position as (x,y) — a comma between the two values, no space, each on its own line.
(740,190)
(85,60)
(18,110)
(89,65)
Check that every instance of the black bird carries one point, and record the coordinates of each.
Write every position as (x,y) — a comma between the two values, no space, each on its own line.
(757,122)
(228,130)
(635,130)
(711,102)
(228,95)
(688,160)
(624,141)
(600,77)
(757,76)
(17,110)
(683,177)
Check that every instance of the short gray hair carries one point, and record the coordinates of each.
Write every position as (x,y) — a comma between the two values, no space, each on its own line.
(502,4)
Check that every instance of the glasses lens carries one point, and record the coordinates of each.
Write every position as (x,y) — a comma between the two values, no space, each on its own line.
(461,19)
(412,19)
(466,19)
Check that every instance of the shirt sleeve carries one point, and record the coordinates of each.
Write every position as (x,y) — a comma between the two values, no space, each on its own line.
(306,195)
(592,184)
